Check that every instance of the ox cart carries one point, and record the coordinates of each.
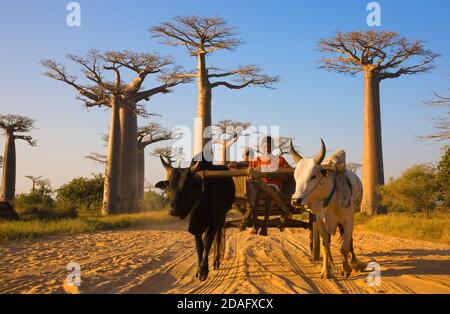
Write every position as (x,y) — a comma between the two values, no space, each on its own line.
(244,178)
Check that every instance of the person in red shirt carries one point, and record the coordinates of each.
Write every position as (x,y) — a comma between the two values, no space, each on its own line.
(265,162)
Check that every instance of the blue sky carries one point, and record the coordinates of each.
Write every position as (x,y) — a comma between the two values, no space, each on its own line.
(280,36)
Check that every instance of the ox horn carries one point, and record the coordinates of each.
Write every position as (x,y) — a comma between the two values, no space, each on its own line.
(165,164)
(296,156)
(319,158)
(196,167)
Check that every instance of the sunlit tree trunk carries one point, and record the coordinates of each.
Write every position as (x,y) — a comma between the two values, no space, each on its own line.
(111,192)
(372,165)
(9,169)
(141,170)
(203,116)
(129,159)
(223,154)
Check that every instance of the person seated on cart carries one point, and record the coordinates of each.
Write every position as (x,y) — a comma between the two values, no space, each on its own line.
(266,162)
(244,163)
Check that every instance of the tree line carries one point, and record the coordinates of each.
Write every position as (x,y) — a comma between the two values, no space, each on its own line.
(379,55)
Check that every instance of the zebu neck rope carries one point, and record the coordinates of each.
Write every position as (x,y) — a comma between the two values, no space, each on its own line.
(327,200)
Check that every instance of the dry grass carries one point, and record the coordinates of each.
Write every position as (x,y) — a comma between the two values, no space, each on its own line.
(435,228)
(19,230)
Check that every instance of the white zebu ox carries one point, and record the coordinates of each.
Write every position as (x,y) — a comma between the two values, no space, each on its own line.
(316,188)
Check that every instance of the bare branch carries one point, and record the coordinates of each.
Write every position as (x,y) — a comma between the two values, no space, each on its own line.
(96,157)
(442,125)
(245,76)
(153,133)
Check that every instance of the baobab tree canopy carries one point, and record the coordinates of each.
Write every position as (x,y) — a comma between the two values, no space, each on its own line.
(15,124)
(207,34)
(386,54)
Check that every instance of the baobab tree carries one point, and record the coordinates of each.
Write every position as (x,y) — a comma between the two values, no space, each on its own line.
(104,86)
(34,180)
(147,135)
(280,143)
(379,55)
(228,133)
(13,127)
(202,36)
(172,154)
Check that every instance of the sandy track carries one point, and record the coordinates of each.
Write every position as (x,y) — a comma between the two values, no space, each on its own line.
(163,260)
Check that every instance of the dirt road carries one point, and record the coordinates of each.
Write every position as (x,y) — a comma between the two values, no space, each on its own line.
(163,260)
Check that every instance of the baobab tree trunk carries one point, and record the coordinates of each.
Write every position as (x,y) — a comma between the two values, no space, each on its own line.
(203,116)
(224,150)
(129,159)
(223,154)
(111,192)
(9,169)
(141,170)
(372,165)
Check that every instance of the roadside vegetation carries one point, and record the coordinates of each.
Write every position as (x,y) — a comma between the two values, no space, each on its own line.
(417,203)
(76,208)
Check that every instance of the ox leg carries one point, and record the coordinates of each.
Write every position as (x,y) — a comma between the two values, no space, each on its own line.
(218,247)
(326,251)
(254,205)
(245,219)
(345,250)
(355,263)
(199,246)
(208,240)
(267,210)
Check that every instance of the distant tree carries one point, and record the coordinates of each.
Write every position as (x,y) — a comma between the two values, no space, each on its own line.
(1,161)
(173,154)
(34,181)
(13,127)
(147,135)
(442,125)
(353,166)
(228,133)
(202,36)
(104,86)
(443,178)
(45,187)
(379,55)
(84,193)
(281,143)
(414,191)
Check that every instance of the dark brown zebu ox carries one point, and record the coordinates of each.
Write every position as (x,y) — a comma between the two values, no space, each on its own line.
(206,201)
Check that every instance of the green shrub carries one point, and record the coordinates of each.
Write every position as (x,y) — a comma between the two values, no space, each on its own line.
(443,180)
(153,201)
(35,206)
(33,199)
(85,194)
(42,213)
(414,191)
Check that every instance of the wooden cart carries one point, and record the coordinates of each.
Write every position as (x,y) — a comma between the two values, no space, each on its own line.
(243,178)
